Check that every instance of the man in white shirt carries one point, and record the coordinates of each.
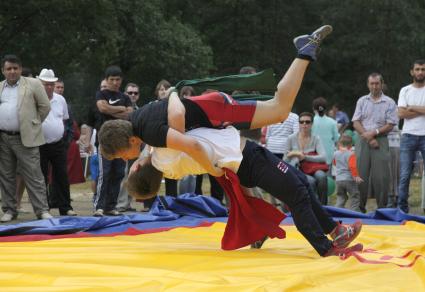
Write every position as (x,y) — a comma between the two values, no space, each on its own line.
(411,108)
(255,166)
(55,150)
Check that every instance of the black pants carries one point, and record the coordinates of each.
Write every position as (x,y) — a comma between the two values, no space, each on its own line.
(215,188)
(260,167)
(59,195)
(171,187)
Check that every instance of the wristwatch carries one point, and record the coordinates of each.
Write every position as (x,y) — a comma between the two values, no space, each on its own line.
(377,131)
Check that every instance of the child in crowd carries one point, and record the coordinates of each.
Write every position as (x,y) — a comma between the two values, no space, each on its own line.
(88,152)
(347,177)
(84,141)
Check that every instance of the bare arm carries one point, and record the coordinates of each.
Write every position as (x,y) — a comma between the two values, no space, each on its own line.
(43,103)
(191,146)
(118,112)
(366,135)
(176,113)
(123,115)
(406,113)
(343,128)
(105,108)
(417,109)
(358,127)
(385,128)
(320,150)
(370,136)
(139,161)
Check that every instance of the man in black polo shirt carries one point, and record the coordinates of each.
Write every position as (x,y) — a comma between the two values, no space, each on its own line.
(112,104)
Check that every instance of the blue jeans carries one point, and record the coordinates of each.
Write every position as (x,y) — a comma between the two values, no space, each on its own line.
(409,144)
(319,184)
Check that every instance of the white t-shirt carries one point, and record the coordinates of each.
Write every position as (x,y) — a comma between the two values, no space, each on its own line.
(410,95)
(53,127)
(222,146)
(93,141)
(9,118)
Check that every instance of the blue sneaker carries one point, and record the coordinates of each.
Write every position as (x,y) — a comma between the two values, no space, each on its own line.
(308,45)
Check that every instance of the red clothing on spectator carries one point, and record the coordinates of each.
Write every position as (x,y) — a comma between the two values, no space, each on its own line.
(75,166)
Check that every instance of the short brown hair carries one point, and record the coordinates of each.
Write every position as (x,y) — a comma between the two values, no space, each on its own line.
(418,62)
(346,140)
(376,75)
(113,136)
(164,83)
(144,183)
(307,114)
(187,90)
(132,85)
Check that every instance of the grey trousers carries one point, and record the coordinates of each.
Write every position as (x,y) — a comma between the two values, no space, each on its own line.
(374,165)
(11,152)
(395,176)
(124,199)
(187,184)
(350,187)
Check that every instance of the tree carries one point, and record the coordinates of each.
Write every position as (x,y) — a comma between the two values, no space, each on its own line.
(78,39)
(371,36)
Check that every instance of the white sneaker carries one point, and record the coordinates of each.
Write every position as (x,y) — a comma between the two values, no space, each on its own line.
(98,213)
(71,213)
(113,213)
(7,217)
(23,211)
(45,215)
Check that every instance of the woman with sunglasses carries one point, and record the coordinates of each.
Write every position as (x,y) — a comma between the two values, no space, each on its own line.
(305,147)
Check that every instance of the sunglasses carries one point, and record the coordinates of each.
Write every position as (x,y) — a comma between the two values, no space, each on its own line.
(132,93)
(306,122)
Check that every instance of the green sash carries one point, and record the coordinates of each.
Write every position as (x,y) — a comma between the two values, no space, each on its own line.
(261,81)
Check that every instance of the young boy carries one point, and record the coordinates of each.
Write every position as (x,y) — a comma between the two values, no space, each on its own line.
(254,166)
(347,176)
(155,124)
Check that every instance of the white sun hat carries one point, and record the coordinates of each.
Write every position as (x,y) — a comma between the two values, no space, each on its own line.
(47,75)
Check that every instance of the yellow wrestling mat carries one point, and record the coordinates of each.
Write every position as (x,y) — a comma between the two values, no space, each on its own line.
(190,259)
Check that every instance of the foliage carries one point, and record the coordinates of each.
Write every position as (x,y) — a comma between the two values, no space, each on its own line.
(79,39)
(184,39)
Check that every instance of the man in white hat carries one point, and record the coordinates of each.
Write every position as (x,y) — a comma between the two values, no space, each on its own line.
(55,150)
(23,107)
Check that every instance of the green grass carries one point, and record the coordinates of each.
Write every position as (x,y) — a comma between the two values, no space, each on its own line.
(414,200)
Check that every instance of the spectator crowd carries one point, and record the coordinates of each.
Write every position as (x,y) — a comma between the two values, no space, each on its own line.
(44,150)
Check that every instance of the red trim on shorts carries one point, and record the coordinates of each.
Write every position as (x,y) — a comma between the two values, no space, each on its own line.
(222,110)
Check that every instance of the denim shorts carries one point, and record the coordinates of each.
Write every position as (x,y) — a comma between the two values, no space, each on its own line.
(94,167)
